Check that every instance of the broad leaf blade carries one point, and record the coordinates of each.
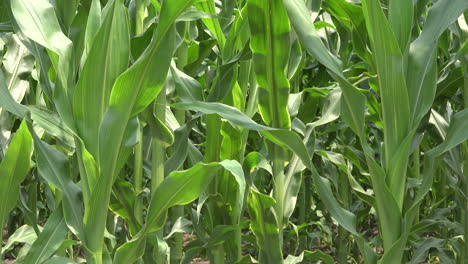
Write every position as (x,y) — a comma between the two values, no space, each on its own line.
(107,59)
(38,21)
(270,45)
(13,169)
(49,240)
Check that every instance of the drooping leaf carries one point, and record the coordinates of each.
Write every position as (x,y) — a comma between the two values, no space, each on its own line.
(38,21)
(49,240)
(54,167)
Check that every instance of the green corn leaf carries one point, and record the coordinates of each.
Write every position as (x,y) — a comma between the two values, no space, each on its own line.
(89,170)
(46,119)
(340,162)
(17,63)
(456,134)
(392,86)
(212,24)
(353,103)
(287,139)
(394,95)
(124,204)
(54,167)
(188,89)
(265,226)
(400,14)
(181,145)
(181,225)
(226,79)
(7,102)
(49,240)
(422,56)
(270,46)
(161,132)
(132,92)
(107,59)
(38,21)
(92,26)
(387,207)
(236,171)
(59,260)
(180,187)
(13,170)
(52,124)
(24,234)
(350,15)
(97,81)
(300,20)
(310,256)
(66,11)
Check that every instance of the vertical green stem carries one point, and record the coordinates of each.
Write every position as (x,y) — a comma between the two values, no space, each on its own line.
(343,235)
(177,211)
(251,108)
(139,16)
(176,248)
(70,248)
(110,225)
(278,189)
(158,156)
(416,173)
(158,150)
(464,258)
(302,211)
(138,177)
(465,207)
(212,149)
(1,239)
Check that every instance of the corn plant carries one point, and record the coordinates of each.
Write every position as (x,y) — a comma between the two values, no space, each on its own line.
(233,131)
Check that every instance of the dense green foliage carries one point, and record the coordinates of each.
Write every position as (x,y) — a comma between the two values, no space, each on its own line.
(234,131)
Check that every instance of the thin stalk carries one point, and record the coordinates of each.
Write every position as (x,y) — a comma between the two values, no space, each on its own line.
(139,16)
(343,235)
(138,176)
(177,212)
(237,241)
(32,201)
(302,211)
(247,82)
(70,248)
(110,226)
(464,257)
(138,179)
(416,173)
(251,107)
(176,248)
(1,240)
(278,184)
(442,173)
(158,149)
(302,201)
(212,149)
(278,192)
(158,157)
(465,207)
(217,254)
